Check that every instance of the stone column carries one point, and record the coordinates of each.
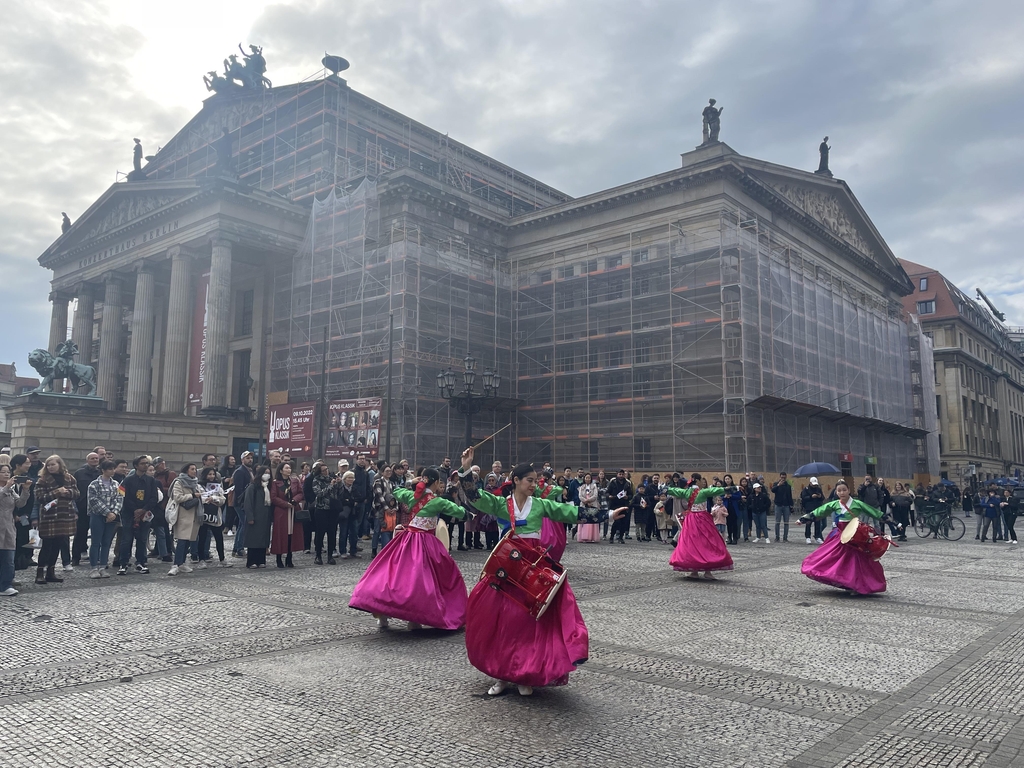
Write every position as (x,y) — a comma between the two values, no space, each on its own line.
(218,310)
(110,342)
(179,326)
(58,319)
(140,357)
(81,326)
(58,329)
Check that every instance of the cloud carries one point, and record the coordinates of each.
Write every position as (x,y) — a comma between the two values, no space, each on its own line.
(922,102)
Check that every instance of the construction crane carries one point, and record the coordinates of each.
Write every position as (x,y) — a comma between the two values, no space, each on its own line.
(995,312)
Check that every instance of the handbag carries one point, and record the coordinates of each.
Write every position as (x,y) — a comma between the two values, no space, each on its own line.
(301,516)
(213,519)
(171,512)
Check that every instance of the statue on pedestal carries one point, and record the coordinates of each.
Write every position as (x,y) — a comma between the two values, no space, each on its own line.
(137,156)
(823,149)
(63,366)
(712,122)
(65,223)
(222,147)
(238,76)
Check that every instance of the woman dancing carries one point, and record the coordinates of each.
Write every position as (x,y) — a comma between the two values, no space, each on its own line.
(699,546)
(845,565)
(502,639)
(413,578)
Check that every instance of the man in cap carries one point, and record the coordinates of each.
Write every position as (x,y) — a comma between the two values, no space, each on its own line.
(811,498)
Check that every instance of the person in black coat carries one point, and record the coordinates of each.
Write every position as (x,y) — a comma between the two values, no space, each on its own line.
(84,476)
(811,498)
(140,499)
(620,491)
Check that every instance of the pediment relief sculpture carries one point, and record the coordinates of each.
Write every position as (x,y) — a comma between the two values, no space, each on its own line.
(827,210)
(126,210)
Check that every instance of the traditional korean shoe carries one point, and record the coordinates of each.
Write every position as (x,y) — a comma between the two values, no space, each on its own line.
(497,689)
(525,690)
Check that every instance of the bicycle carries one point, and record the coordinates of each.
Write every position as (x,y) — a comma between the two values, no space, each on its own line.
(940,523)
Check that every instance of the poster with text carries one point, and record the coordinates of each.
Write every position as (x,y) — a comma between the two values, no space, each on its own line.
(291,428)
(353,428)
(197,351)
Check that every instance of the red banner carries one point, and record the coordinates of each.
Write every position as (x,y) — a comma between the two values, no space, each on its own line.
(353,428)
(197,353)
(291,428)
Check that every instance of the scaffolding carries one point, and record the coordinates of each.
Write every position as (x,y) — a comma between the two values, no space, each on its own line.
(752,354)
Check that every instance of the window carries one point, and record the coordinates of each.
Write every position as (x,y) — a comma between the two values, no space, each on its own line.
(243,320)
(613,262)
(924,283)
(926,307)
(642,452)
(564,272)
(590,450)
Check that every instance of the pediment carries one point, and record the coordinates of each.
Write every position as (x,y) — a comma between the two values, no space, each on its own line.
(828,210)
(122,206)
(830,204)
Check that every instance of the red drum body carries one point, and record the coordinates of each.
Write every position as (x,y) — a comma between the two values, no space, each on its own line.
(524,573)
(868,541)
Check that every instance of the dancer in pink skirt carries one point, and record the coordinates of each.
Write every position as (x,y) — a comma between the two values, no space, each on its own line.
(699,546)
(846,565)
(504,640)
(414,578)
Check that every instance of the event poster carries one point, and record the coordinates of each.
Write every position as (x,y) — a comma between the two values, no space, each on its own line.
(291,428)
(197,351)
(353,428)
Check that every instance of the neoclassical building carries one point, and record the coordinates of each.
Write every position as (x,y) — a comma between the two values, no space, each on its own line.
(729,313)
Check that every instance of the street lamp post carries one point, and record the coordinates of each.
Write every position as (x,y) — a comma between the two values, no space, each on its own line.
(466,401)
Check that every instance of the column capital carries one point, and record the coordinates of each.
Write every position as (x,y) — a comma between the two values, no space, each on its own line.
(84,288)
(180,252)
(112,277)
(223,240)
(60,294)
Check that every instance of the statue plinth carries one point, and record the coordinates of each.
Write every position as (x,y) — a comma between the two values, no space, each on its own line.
(64,401)
(824,173)
(136,176)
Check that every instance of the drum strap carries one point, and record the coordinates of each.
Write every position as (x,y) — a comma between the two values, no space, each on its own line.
(421,503)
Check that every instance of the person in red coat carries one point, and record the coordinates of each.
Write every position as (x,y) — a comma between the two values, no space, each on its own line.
(286,497)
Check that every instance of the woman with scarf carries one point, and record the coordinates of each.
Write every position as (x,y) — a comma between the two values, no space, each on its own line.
(503,640)
(414,579)
(185,494)
(845,565)
(286,497)
(259,512)
(699,546)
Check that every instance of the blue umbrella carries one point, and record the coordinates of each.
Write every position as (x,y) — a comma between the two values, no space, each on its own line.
(944,481)
(816,468)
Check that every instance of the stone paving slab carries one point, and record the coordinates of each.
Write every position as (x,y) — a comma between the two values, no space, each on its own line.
(271,669)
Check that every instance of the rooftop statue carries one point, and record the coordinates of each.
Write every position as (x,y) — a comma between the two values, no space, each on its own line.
(712,122)
(240,76)
(65,223)
(823,150)
(63,366)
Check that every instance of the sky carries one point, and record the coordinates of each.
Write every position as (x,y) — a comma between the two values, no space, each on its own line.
(923,103)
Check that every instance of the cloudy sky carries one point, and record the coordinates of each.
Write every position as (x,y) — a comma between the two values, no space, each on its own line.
(923,103)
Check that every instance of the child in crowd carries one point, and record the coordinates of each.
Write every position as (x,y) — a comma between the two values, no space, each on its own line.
(667,524)
(719,514)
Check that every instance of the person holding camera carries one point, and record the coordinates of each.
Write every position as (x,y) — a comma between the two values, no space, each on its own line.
(56,492)
(15,493)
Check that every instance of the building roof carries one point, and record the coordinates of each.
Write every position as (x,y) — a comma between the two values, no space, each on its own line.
(9,375)
(953,304)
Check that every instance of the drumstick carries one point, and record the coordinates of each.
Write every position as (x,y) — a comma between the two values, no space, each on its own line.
(490,436)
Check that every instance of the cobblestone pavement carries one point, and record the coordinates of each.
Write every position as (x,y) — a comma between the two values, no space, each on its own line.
(762,667)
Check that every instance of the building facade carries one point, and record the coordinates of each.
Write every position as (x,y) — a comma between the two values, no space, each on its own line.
(728,314)
(979,373)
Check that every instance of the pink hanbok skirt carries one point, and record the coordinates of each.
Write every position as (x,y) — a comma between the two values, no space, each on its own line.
(844,566)
(505,642)
(588,532)
(414,579)
(700,546)
(552,536)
